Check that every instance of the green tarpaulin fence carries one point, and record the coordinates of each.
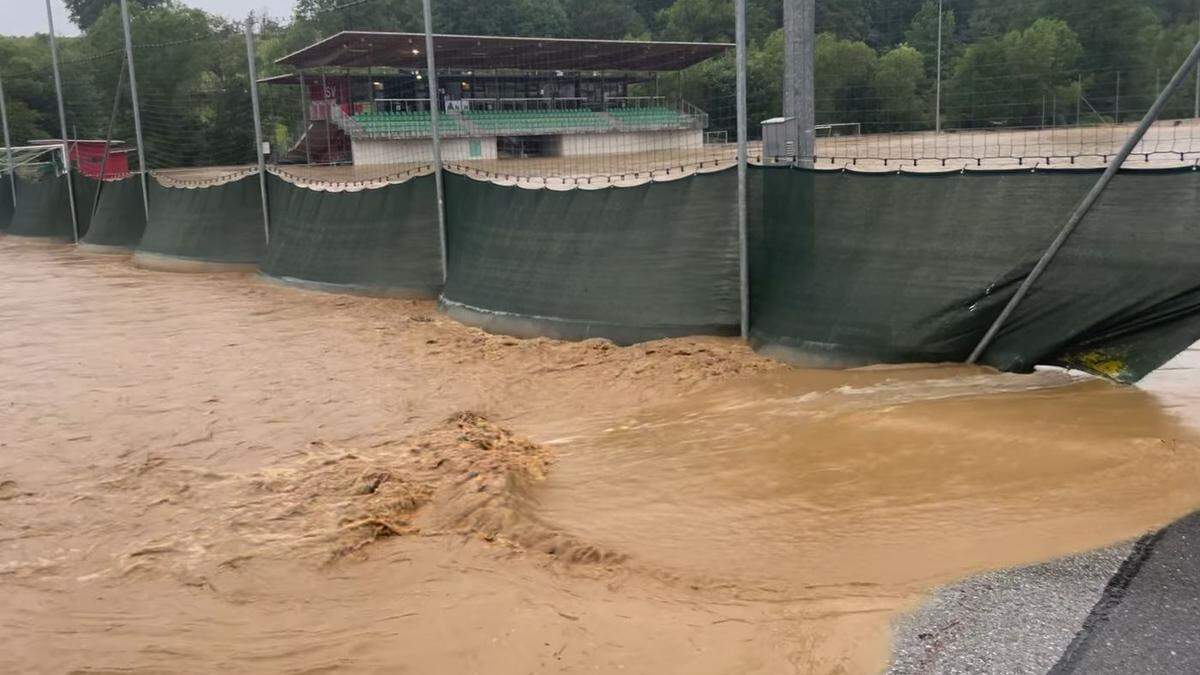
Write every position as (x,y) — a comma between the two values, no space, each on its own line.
(120,217)
(6,202)
(627,264)
(851,270)
(382,241)
(43,209)
(221,224)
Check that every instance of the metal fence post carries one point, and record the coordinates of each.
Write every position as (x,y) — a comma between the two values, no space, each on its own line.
(304,111)
(12,177)
(143,170)
(258,142)
(1089,201)
(739,9)
(434,112)
(62,118)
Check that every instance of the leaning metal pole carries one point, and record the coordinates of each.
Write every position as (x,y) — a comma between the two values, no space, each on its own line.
(12,177)
(434,113)
(1089,201)
(739,8)
(258,142)
(112,122)
(137,113)
(62,119)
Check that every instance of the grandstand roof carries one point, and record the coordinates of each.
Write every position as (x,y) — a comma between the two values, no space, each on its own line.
(362,49)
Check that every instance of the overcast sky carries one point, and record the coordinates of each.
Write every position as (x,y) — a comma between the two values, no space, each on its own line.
(26,17)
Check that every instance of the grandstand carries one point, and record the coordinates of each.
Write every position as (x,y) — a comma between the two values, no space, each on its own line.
(367,98)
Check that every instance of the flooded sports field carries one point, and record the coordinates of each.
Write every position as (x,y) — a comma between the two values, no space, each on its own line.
(217,472)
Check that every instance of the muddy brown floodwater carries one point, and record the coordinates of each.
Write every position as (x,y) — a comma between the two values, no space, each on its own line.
(202,472)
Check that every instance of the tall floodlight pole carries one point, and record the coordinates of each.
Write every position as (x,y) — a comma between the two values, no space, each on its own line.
(137,112)
(799,44)
(1088,201)
(434,114)
(1196,110)
(251,63)
(739,8)
(12,177)
(62,119)
(937,114)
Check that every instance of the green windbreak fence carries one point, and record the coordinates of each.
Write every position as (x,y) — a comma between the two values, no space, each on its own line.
(629,264)
(120,217)
(854,269)
(6,202)
(43,209)
(382,241)
(85,195)
(220,224)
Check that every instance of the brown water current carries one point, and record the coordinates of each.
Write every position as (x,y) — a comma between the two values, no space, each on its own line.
(203,472)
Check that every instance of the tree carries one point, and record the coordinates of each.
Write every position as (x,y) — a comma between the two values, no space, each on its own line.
(28,93)
(890,19)
(698,20)
(922,33)
(900,86)
(84,13)
(541,18)
(1170,50)
(648,10)
(1009,80)
(712,20)
(1115,35)
(845,72)
(849,19)
(994,18)
(612,20)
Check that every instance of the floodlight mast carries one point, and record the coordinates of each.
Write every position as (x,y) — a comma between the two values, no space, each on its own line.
(742,168)
(62,118)
(252,65)
(434,122)
(137,114)
(799,38)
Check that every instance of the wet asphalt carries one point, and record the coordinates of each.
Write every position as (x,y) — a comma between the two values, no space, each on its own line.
(1130,608)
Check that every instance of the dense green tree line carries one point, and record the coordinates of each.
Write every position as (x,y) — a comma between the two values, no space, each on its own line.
(1005,62)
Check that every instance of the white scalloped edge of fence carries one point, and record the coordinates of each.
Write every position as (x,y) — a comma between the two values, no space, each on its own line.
(166,181)
(354,186)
